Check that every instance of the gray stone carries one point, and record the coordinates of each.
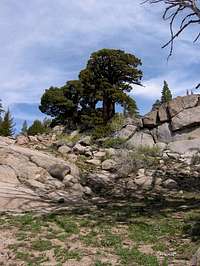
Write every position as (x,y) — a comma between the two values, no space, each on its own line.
(109,165)
(161,145)
(64,149)
(22,140)
(170,184)
(58,130)
(173,155)
(95,162)
(79,149)
(74,133)
(103,179)
(187,134)
(7,140)
(72,157)
(82,150)
(78,187)
(196,258)
(150,119)
(144,182)
(85,141)
(163,133)
(59,171)
(87,191)
(162,113)
(110,151)
(178,104)
(184,146)
(126,132)
(187,117)
(68,179)
(33,139)
(140,139)
(190,101)
(175,106)
(100,154)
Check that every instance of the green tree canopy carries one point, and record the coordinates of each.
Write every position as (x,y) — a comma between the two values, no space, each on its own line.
(7,125)
(166,93)
(107,78)
(63,103)
(108,75)
(36,128)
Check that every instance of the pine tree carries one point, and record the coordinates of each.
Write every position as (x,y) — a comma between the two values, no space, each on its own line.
(7,125)
(36,128)
(24,128)
(166,93)
(156,105)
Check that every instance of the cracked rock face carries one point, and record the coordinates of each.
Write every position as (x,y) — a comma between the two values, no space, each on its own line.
(32,180)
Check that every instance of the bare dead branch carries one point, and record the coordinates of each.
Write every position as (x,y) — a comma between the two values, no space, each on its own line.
(174,9)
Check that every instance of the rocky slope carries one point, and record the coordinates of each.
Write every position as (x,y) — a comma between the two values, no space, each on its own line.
(159,154)
(32,180)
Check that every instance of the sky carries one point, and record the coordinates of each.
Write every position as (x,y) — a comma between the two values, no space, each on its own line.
(47,42)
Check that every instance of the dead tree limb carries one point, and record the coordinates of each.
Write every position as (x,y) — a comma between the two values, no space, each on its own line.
(186,12)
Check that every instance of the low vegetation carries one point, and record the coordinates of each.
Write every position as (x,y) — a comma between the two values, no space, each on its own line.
(142,157)
(118,235)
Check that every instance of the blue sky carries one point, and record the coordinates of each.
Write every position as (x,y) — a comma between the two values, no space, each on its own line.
(47,42)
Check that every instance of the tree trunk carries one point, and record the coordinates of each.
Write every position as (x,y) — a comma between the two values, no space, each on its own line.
(108,109)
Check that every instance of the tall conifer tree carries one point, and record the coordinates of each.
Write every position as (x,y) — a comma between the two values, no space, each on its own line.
(166,93)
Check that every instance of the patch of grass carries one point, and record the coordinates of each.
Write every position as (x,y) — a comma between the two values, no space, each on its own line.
(62,254)
(159,246)
(100,263)
(62,237)
(129,256)
(27,222)
(21,236)
(67,224)
(185,250)
(149,151)
(30,259)
(84,223)
(110,240)
(142,232)
(113,143)
(91,238)
(69,139)
(41,245)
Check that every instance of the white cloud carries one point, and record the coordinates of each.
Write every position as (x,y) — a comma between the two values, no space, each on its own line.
(45,43)
(178,83)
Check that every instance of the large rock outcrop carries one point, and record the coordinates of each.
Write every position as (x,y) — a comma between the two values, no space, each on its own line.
(176,123)
(177,120)
(32,180)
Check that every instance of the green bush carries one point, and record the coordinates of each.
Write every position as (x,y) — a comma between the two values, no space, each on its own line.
(36,128)
(101,132)
(113,143)
(69,139)
(117,122)
(149,151)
